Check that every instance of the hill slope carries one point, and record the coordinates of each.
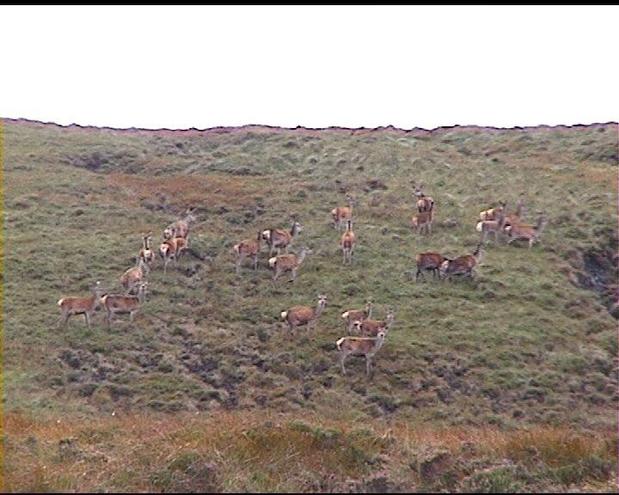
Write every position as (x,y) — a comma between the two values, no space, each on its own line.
(529,342)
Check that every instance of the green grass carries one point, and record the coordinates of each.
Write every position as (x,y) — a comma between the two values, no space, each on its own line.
(520,345)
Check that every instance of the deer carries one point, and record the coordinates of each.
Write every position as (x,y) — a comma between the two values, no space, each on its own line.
(70,306)
(353,315)
(278,238)
(342,213)
(360,346)
(462,265)
(514,218)
(171,249)
(422,221)
(304,315)
(246,248)
(180,228)
(370,328)
(492,213)
(146,253)
(429,261)
(133,276)
(424,203)
(116,303)
(494,227)
(288,263)
(347,243)
(529,233)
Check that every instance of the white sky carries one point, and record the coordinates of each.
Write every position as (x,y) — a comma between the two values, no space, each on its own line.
(315,66)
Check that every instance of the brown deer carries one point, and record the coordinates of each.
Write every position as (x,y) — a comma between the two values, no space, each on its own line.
(180,228)
(288,263)
(172,249)
(347,243)
(278,238)
(530,233)
(492,213)
(424,203)
(146,253)
(462,265)
(429,261)
(370,328)
(116,303)
(514,218)
(422,221)
(304,315)
(494,227)
(353,315)
(342,213)
(247,248)
(133,276)
(359,346)
(87,306)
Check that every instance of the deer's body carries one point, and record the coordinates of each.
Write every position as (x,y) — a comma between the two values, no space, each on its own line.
(422,221)
(134,276)
(494,227)
(359,346)
(119,304)
(347,243)
(342,214)
(288,263)
(429,261)
(278,239)
(462,265)
(172,249)
(353,315)
(247,248)
(492,213)
(146,253)
(529,233)
(304,315)
(87,306)
(371,328)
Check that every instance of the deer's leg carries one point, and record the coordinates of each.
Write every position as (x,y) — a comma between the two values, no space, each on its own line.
(531,243)
(87,318)
(256,261)
(108,318)
(368,364)
(64,317)
(342,359)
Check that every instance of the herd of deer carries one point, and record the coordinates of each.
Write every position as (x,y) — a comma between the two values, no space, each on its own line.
(370,333)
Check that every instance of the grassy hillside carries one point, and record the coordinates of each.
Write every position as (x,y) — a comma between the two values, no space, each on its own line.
(531,342)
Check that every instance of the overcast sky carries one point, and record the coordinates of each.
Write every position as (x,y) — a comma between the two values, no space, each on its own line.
(314,66)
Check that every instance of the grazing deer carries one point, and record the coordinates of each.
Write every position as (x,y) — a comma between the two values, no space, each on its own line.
(304,315)
(70,306)
(288,263)
(342,213)
(278,238)
(371,328)
(116,303)
(529,233)
(492,213)
(247,248)
(353,315)
(146,253)
(494,227)
(171,249)
(462,265)
(347,243)
(429,261)
(360,346)
(133,276)
(424,203)
(180,228)
(423,221)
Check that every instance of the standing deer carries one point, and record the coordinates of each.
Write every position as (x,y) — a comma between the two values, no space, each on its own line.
(429,261)
(347,243)
(370,328)
(462,265)
(304,315)
(247,248)
(494,227)
(424,203)
(171,249)
(116,303)
(180,228)
(278,238)
(529,233)
(353,315)
(422,221)
(288,263)
(360,346)
(492,213)
(146,253)
(133,276)
(342,213)
(70,306)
